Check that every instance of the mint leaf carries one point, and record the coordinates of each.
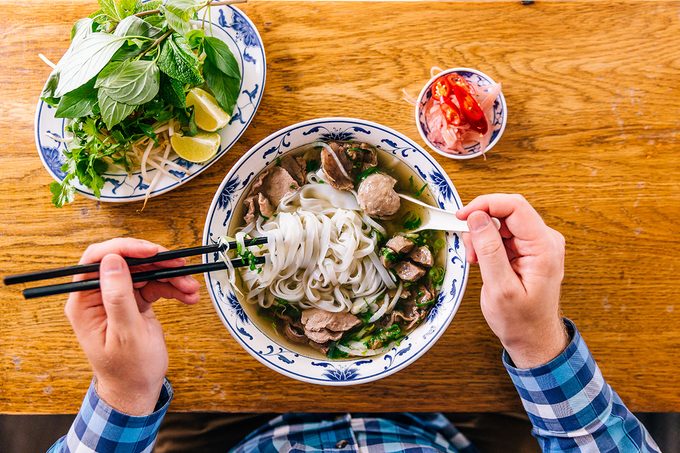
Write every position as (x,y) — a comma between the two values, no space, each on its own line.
(218,53)
(225,89)
(178,61)
(113,112)
(84,59)
(78,102)
(172,91)
(195,37)
(178,13)
(118,9)
(133,82)
(134,26)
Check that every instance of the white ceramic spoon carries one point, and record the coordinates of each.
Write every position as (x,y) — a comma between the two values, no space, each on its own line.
(438,219)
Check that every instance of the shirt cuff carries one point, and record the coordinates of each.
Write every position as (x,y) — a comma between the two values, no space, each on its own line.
(567,394)
(100,427)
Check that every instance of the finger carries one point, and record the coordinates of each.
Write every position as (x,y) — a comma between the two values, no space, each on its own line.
(117,293)
(470,254)
(488,245)
(155,290)
(521,218)
(128,247)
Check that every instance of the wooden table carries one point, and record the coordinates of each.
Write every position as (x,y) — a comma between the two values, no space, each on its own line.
(593,141)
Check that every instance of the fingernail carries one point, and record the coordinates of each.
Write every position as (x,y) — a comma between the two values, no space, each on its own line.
(190,279)
(478,220)
(111,265)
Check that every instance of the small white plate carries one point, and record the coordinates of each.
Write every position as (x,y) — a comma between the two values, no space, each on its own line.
(231,26)
(498,122)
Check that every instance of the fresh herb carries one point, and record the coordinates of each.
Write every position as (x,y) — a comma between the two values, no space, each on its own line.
(425,304)
(312,165)
(128,69)
(436,275)
(411,220)
(366,316)
(389,254)
(364,174)
(334,352)
(417,192)
(384,336)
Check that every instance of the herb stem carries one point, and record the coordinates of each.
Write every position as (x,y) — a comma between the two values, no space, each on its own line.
(155,43)
(151,12)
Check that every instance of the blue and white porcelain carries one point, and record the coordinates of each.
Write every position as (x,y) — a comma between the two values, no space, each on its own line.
(498,122)
(224,22)
(246,331)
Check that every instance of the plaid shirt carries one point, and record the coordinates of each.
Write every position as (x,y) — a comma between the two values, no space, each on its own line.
(569,403)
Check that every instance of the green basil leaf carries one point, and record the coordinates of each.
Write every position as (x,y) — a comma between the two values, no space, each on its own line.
(195,37)
(172,91)
(118,9)
(178,13)
(78,102)
(178,61)
(134,26)
(148,6)
(133,82)
(218,53)
(225,89)
(85,60)
(113,112)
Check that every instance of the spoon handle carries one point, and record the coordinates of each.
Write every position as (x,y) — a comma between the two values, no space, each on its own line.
(439,219)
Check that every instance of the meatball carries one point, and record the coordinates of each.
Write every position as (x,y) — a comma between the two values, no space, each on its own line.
(377,197)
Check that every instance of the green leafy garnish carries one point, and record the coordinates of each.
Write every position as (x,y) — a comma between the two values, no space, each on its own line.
(389,254)
(128,69)
(436,275)
(411,220)
(312,165)
(364,174)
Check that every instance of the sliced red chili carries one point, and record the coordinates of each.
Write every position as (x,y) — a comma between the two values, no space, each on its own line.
(469,107)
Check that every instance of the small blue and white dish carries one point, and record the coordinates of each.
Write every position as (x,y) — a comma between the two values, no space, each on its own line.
(222,215)
(231,26)
(473,148)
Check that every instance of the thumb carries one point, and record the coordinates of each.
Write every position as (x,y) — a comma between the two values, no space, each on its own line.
(117,292)
(488,245)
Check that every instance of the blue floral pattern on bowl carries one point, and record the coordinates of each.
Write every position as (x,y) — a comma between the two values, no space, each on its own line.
(500,113)
(234,28)
(247,331)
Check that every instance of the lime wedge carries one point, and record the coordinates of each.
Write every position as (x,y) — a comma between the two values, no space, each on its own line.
(207,112)
(198,148)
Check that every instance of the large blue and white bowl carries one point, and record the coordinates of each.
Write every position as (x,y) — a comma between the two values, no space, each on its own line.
(227,23)
(245,330)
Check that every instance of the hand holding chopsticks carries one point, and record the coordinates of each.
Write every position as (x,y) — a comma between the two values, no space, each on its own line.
(145,276)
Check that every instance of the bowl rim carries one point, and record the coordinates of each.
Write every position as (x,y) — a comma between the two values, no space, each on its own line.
(441,328)
(422,133)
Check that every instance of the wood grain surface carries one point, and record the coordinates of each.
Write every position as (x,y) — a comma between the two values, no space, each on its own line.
(593,141)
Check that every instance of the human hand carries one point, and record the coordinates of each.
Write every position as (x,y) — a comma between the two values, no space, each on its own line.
(522,267)
(116,325)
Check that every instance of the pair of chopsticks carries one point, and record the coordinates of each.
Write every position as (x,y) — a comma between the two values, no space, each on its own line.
(156,274)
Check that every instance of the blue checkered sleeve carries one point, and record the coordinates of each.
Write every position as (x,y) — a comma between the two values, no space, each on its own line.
(573,409)
(100,428)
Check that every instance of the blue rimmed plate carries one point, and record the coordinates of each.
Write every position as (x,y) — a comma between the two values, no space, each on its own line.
(231,26)
(246,330)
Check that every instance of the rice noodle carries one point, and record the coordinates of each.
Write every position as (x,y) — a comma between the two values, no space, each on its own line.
(320,255)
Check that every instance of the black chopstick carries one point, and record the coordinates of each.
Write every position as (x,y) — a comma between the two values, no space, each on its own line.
(94,267)
(157,274)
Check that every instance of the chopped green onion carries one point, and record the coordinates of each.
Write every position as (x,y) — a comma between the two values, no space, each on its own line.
(411,221)
(364,174)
